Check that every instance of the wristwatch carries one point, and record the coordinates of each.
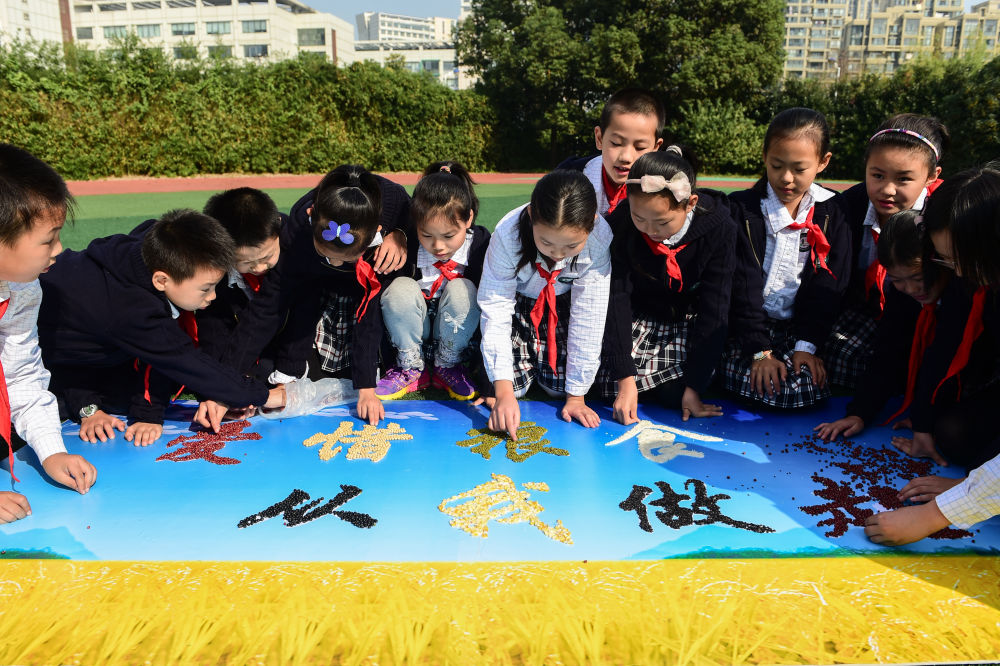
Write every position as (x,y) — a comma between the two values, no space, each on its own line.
(761,355)
(87,411)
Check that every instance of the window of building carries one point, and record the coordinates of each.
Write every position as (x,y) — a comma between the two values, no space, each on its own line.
(217,27)
(909,41)
(878,41)
(152,4)
(181,29)
(180,3)
(878,26)
(312,37)
(147,31)
(255,51)
(254,26)
(115,31)
(911,26)
(84,33)
(431,66)
(112,7)
(795,64)
(217,3)
(796,42)
(83,9)
(949,35)
(990,27)
(796,32)
(220,51)
(186,52)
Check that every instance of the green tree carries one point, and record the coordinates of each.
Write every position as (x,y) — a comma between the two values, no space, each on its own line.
(546,67)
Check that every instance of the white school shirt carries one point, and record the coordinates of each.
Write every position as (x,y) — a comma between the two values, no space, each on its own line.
(236,279)
(869,250)
(591,285)
(784,257)
(594,171)
(975,499)
(429,272)
(33,409)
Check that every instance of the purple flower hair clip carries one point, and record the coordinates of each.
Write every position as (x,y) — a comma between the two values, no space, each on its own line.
(341,231)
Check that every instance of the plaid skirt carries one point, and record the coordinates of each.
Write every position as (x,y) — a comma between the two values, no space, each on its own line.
(530,354)
(333,332)
(848,350)
(659,350)
(797,390)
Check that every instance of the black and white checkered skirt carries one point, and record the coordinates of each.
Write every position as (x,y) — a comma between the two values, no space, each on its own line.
(798,389)
(659,350)
(333,332)
(848,350)
(530,354)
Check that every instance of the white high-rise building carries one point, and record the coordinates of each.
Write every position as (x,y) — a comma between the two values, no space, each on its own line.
(246,29)
(383,27)
(40,20)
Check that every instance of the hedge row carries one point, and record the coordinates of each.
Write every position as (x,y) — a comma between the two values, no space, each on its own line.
(135,112)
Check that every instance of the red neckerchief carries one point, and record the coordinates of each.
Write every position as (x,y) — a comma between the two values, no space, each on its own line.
(615,193)
(253,281)
(973,329)
(447,269)
(5,406)
(819,245)
(547,297)
(875,276)
(369,282)
(923,336)
(673,269)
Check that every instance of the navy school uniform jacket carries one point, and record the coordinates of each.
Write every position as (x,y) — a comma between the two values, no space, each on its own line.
(217,322)
(477,255)
(639,287)
(819,297)
(853,204)
(289,298)
(100,309)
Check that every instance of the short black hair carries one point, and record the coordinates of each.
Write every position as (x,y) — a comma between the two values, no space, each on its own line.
(248,214)
(350,195)
(967,205)
(930,128)
(28,188)
(799,121)
(446,188)
(634,100)
(184,241)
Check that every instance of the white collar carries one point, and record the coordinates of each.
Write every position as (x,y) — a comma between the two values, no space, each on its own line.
(778,216)
(425,259)
(676,238)
(174,312)
(236,279)
(871,219)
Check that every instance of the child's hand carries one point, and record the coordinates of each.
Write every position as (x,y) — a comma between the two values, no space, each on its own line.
(71,470)
(576,408)
(505,416)
(13,506)
(369,406)
(906,525)
(921,446)
(903,424)
(391,254)
(276,398)
(813,363)
(626,405)
(143,434)
(101,426)
(489,401)
(210,414)
(767,375)
(691,405)
(926,488)
(847,426)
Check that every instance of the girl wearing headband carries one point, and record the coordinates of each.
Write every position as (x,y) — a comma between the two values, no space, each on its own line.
(430,309)
(672,260)
(902,163)
(793,265)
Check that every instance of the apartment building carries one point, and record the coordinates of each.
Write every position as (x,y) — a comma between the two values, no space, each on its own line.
(813,33)
(41,20)
(243,29)
(380,27)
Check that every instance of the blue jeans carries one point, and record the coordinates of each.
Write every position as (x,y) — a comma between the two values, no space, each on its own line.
(404,311)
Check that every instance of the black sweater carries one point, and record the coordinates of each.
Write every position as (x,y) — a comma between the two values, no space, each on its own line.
(290,297)
(100,309)
(819,297)
(639,288)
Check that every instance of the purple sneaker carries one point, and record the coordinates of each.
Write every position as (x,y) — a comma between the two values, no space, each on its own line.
(455,382)
(398,382)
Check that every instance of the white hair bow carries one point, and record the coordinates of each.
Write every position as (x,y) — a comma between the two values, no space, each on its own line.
(679,185)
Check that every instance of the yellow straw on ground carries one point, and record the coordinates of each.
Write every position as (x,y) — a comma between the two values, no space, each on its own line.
(786,611)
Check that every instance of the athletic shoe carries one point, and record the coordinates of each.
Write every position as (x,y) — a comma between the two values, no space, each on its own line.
(455,381)
(398,382)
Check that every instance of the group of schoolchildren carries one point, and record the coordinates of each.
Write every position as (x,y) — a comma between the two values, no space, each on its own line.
(620,277)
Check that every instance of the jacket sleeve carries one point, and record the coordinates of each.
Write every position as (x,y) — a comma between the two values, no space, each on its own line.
(747,319)
(616,351)
(708,336)
(819,298)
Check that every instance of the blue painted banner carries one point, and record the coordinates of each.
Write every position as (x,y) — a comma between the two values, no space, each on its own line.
(430,484)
